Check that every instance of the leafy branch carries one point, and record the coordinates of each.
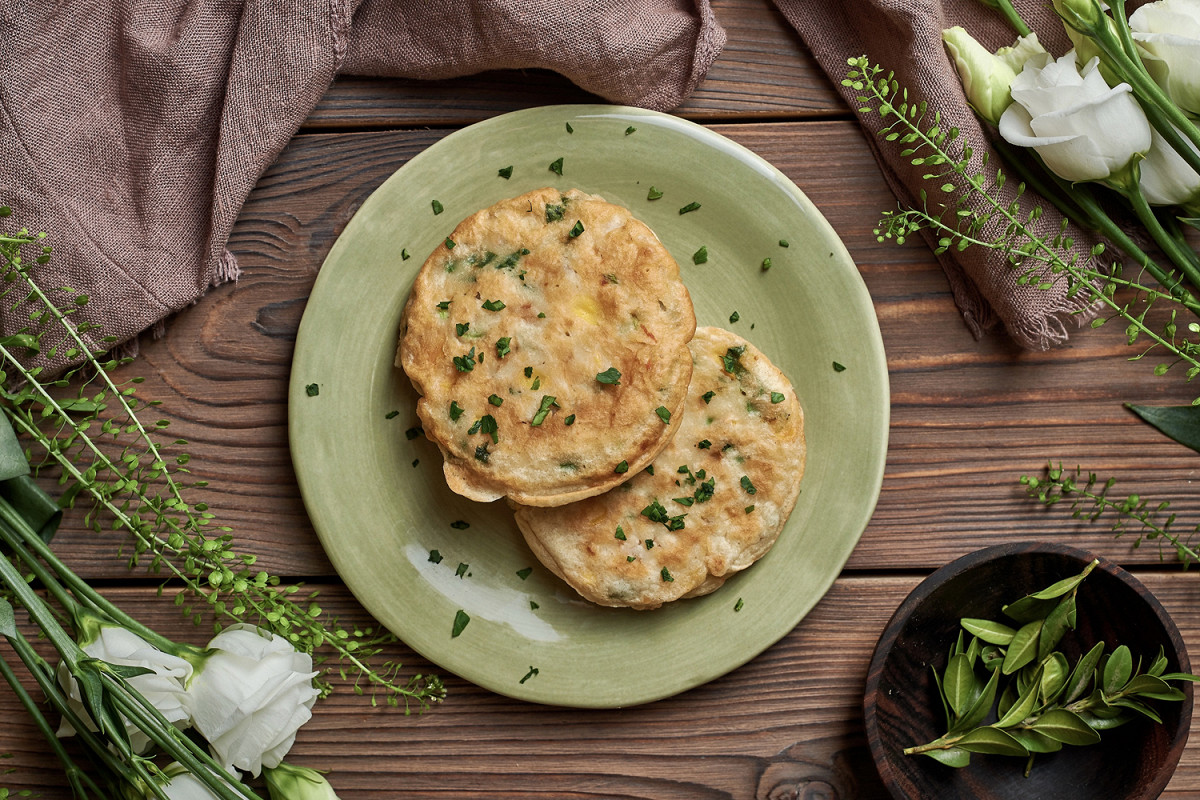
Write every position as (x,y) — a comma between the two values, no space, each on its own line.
(967,210)
(60,392)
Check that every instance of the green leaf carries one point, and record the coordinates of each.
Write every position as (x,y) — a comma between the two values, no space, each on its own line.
(1081,676)
(1066,727)
(1181,423)
(1054,676)
(13,462)
(960,685)
(8,621)
(21,340)
(1114,719)
(1035,742)
(989,631)
(1152,687)
(952,757)
(1057,623)
(1024,705)
(980,708)
(1117,670)
(1141,708)
(1023,647)
(992,741)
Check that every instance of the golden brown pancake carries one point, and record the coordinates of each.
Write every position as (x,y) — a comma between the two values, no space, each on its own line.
(713,503)
(547,337)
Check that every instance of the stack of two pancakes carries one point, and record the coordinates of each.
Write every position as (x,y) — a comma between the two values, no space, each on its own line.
(556,353)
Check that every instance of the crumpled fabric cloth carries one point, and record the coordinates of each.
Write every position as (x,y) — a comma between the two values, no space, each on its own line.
(904,36)
(132,131)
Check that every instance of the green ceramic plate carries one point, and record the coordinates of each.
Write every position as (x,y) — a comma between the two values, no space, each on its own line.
(377,497)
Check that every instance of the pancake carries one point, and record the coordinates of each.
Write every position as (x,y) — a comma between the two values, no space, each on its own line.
(547,337)
(713,503)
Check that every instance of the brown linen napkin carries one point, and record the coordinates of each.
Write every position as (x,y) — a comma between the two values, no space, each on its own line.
(132,132)
(905,36)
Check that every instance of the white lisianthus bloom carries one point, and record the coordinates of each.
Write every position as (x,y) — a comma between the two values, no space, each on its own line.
(288,782)
(1082,129)
(1168,33)
(1168,180)
(163,687)
(986,76)
(251,692)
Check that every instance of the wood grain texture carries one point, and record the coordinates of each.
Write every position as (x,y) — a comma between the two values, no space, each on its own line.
(763,72)
(787,723)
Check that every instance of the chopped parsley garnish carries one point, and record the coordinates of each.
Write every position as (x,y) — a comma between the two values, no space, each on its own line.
(487,426)
(631,558)
(704,444)
(706,491)
(838,367)
(738,605)
(413,433)
(505,172)
(456,411)
(537,382)
(649,470)
(461,327)
(312,390)
(404,256)
(666,575)
(653,194)
(556,166)
(620,534)
(533,670)
(655,512)
(493,305)
(749,509)
(621,468)
(503,346)
(554,213)
(732,360)
(689,207)
(734,317)
(524,572)
(482,454)
(541,315)
(766,264)
(444,305)
(437,207)
(461,618)
(630,130)
(416,461)
(435,556)
(543,409)
(701,255)
(663,414)
(748,485)
(777,397)
(611,376)
(496,400)
(784,243)
(465,363)
(460,525)
(576,229)
(649,544)
(685,501)
(533,606)
(449,243)
(529,372)
(707,397)
(570,420)
(569,128)
(391,415)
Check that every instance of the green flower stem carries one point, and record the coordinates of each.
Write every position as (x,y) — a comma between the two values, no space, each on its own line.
(1077,203)
(1180,254)
(1005,7)
(76,777)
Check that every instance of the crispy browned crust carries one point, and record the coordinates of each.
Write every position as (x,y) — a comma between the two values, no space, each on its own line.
(573,306)
(751,426)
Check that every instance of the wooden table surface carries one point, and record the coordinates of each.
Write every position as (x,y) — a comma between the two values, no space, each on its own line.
(968,418)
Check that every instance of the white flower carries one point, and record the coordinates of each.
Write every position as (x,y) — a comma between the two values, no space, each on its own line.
(288,782)
(250,695)
(986,76)
(163,688)
(1082,129)
(1169,35)
(1166,179)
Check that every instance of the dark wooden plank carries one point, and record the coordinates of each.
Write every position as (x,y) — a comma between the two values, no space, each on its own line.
(789,721)
(764,72)
(968,418)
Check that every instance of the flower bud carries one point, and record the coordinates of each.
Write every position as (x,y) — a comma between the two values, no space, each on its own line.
(287,782)
(1168,35)
(986,76)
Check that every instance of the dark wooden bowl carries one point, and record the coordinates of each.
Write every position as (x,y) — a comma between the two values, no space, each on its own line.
(902,708)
